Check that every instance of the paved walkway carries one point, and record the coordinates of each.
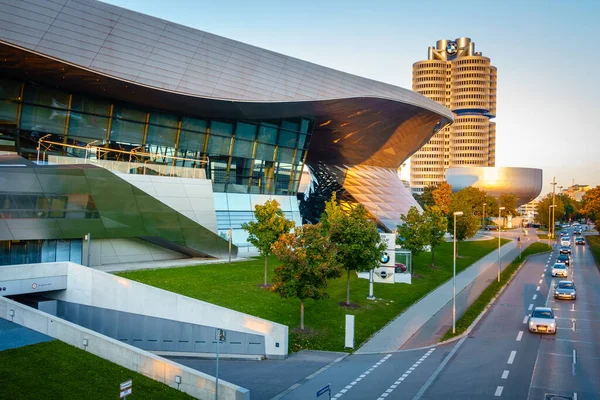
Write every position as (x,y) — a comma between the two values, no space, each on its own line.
(185,262)
(14,335)
(398,332)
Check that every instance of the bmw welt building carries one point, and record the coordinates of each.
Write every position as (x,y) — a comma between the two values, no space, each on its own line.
(157,139)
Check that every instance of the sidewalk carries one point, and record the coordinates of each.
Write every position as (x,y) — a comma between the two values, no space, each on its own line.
(399,331)
(185,262)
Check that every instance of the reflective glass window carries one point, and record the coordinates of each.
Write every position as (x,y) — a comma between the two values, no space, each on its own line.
(43,119)
(9,90)
(304,125)
(243,148)
(161,135)
(303,141)
(87,126)
(123,129)
(46,96)
(267,133)
(218,172)
(265,152)
(18,252)
(189,140)
(49,251)
(76,251)
(34,251)
(218,145)
(285,155)
(245,131)
(4,252)
(221,128)
(193,124)
(283,177)
(289,124)
(90,105)
(239,175)
(287,138)
(63,250)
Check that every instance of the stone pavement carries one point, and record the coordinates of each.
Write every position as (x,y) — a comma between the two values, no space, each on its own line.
(399,331)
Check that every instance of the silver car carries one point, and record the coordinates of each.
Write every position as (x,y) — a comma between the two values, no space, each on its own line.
(542,320)
(565,290)
(559,269)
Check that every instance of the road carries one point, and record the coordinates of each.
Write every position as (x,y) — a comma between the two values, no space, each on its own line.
(499,358)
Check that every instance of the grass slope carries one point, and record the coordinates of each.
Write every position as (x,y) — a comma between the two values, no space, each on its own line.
(56,370)
(492,290)
(594,243)
(235,286)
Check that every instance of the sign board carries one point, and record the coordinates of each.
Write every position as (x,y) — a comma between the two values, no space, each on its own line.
(126,384)
(125,392)
(388,258)
(323,390)
(220,335)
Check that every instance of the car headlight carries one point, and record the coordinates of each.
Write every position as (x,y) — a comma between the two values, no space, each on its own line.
(531,324)
(552,324)
(555,293)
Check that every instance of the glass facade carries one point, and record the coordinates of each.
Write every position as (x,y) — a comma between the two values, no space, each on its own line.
(262,157)
(40,251)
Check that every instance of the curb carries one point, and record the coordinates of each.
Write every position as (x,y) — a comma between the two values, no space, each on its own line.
(492,301)
(308,378)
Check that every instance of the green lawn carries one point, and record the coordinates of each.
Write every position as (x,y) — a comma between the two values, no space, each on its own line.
(235,286)
(594,243)
(55,370)
(492,290)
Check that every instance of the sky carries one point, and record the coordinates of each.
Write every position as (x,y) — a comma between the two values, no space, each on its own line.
(546,52)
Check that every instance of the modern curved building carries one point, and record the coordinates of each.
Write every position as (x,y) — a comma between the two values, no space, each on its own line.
(462,79)
(526,183)
(169,108)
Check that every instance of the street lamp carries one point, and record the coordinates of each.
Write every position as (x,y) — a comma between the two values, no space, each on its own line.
(550,208)
(456,214)
(483,222)
(499,234)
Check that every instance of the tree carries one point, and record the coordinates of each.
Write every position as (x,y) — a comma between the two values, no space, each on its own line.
(358,244)
(491,208)
(543,208)
(436,225)
(309,260)
(470,201)
(425,199)
(509,202)
(590,204)
(413,234)
(571,206)
(442,197)
(269,225)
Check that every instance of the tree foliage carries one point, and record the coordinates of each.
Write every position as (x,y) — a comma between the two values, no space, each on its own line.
(436,225)
(543,208)
(358,244)
(509,202)
(309,260)
(270,224)
(590,204)
(412,233)
(470,201)
(572,207)
(425,199)
(442,197)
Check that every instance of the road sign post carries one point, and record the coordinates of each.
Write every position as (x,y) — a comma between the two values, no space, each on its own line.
(323,390)
(125,389)
(219,336)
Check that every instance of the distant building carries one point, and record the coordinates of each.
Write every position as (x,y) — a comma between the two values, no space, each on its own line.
(529,211)
(458,77)
(576,192)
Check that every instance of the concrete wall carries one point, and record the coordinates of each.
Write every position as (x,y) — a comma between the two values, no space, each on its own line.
(91,287)
(32,278)
(193,382)
(191,197)
(126,250)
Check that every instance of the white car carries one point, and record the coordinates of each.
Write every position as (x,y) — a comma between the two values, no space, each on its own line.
(559,269)
(565,241)
(542,320)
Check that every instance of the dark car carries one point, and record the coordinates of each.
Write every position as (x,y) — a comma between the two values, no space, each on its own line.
(577,232)
(565,249)
(565,290)
(564,258)
(579,240)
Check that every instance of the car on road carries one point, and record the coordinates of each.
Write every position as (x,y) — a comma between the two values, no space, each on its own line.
(577,232)
(564,258)
(559,269)
(579,240)
(565,290)
(565,241)
(565,249)
(542,320)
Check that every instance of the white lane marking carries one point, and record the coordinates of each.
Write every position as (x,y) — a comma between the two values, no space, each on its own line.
(574,356)
(511,358)
(499,390)
(438,369)
(530,307)
(534,296)
(573,327)
(537,289)
(505,374)
(525,319)
(542,275)
(519,336)
(540,282)
(574,395)
(355,381)
(395,384)
(572,306)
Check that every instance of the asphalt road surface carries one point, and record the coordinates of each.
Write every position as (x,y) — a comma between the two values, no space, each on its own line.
(500,358)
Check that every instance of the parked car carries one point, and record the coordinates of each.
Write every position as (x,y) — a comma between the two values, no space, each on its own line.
(491,227)
(564,258)
(542,320)
(565,249)
(565,290)
(559,269)
(579,240)
(400,268)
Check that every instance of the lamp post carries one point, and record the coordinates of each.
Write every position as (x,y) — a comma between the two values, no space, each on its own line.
(499,234)
(550,208)
(483,221)
(456,214)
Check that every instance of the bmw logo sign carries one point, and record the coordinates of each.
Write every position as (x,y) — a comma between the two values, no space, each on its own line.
(451,48)
(385,258)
